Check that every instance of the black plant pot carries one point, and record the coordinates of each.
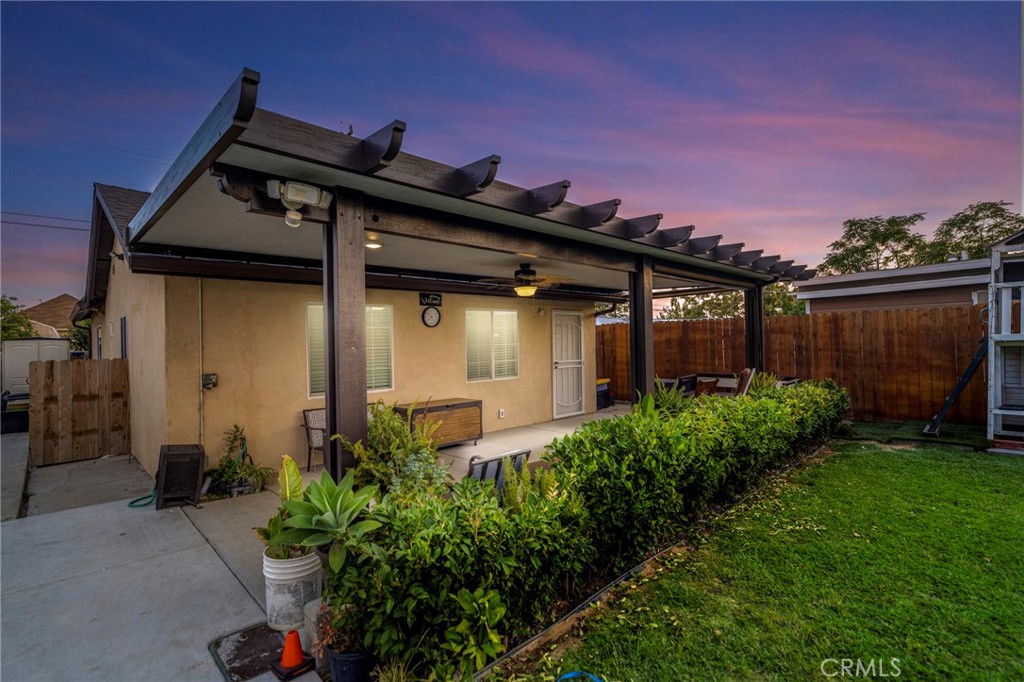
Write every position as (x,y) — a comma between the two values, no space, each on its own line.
(350,667)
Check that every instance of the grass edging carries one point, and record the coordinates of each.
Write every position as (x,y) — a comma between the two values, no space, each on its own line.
(565,623)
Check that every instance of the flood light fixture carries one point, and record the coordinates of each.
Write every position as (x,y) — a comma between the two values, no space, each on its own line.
(294,195)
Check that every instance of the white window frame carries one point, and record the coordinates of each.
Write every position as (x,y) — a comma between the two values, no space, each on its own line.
(492,377)
(391,351)
(310,393)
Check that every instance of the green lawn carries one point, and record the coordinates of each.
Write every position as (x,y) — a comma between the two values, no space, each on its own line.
(913,553)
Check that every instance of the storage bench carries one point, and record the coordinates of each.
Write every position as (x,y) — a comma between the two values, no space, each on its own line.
(462,419)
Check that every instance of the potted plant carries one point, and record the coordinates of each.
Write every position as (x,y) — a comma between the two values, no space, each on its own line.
(341,639)
(326,517)
(292,572)
(236,473)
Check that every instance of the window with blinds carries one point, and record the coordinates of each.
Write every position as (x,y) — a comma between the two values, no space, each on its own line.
(379,361)
(378,348)
(492,344)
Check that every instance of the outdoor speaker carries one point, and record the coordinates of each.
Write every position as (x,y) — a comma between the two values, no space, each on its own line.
(179,477)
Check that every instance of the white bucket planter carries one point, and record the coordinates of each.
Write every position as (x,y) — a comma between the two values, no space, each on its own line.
(290,584)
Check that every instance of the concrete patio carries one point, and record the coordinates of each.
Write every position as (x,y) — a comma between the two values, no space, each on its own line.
(128,594)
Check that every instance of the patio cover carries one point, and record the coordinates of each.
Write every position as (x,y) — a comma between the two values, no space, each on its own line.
(443,228)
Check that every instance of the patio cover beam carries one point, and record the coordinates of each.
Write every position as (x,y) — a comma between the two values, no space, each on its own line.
(641,328)
(388,218)
(345,329)
(753,322)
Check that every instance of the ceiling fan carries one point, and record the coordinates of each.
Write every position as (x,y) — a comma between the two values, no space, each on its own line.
(526,281)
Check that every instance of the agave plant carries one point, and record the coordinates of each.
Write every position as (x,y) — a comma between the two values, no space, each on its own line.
(327,518)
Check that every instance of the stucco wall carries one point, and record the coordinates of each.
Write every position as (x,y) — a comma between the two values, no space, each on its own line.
(140,299)
(253,336)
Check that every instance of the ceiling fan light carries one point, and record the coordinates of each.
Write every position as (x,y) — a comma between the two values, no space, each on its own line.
(526,290)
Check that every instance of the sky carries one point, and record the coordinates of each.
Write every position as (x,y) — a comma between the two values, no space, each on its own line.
(768,123)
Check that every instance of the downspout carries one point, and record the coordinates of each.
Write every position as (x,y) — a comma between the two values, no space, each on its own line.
(202,391)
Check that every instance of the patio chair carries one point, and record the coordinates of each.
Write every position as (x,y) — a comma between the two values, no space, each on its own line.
(492,468)
(743,383)
(315,423)
(705,387)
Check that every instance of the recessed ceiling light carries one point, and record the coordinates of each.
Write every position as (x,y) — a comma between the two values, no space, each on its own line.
(374,245)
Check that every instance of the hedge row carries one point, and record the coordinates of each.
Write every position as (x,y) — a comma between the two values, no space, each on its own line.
(643,475)
(448,572)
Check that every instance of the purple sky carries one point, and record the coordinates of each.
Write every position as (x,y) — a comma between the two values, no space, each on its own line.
(767,123)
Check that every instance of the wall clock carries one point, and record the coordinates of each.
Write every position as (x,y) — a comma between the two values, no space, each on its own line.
(431,316)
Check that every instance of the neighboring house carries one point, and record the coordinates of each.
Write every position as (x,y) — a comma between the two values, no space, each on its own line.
(308,268)
(956,282)
(52,318)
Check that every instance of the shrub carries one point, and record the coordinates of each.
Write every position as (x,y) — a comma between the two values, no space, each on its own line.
(641,474)
(399,454)
(670,399)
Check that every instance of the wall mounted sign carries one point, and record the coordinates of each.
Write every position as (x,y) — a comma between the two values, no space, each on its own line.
(430,299)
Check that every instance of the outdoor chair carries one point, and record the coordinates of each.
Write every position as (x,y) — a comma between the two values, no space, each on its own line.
(743,383)
(315,424)
(705,387)
(492,468)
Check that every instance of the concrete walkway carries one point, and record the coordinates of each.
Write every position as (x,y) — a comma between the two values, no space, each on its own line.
(535,438)
(13,472)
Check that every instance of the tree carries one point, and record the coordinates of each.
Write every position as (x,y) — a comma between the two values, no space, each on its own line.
(697,306)
(974,230)
(14,323)
(79,337)
(876,244)
(777,301)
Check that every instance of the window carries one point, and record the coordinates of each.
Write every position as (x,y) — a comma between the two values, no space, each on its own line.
(492,344)
(379,375)
(124,337)
(378,348)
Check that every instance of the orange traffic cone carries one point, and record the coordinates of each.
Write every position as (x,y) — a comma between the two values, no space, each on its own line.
(294,661)
(291,655)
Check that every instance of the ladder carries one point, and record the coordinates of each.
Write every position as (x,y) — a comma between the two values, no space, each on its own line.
(936,423)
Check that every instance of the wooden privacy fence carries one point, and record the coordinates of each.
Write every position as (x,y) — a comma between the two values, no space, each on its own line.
(78,409)
(898,365)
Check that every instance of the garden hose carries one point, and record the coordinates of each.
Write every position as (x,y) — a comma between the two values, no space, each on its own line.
(144,501)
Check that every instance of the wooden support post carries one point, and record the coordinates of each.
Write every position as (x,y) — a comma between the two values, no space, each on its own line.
(753,303)
(344,329)
(641,328)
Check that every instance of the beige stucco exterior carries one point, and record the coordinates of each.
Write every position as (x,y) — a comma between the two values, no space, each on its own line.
(141,299)
(253,336)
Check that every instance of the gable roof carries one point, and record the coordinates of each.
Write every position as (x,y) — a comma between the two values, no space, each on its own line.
(112,210)
(55,312)
(120,205)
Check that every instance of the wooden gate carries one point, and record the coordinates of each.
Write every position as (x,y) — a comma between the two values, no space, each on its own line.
(78,409)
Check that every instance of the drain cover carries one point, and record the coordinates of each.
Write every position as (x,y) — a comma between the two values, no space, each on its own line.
(247,653)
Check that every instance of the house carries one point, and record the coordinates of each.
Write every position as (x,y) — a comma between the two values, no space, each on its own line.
(955,282)
(51,319)
(280,266)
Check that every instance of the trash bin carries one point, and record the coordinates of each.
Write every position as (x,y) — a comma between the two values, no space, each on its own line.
(604,393)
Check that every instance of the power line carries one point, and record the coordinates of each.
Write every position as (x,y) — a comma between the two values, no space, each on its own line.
(48,217)
(52,227)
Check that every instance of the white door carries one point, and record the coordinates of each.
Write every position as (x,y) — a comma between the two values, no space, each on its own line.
(567,356)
